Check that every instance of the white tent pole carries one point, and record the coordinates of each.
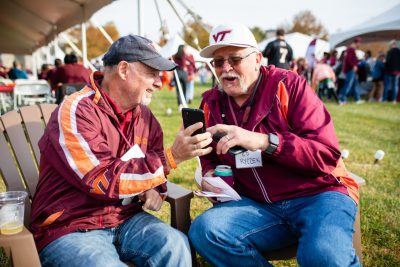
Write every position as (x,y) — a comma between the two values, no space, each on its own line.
(76,49)
(34,67)
(102,30)
(84,46)
(140,19)
(179,86)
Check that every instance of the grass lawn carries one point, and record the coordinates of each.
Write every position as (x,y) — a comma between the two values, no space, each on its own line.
(362,129)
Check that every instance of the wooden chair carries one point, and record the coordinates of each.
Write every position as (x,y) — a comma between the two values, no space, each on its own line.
(20,132)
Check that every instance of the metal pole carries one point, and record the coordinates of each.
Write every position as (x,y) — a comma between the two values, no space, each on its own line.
(140,20)
(102,30)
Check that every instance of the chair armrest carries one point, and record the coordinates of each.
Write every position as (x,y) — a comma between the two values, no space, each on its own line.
(179,199)
(23,248)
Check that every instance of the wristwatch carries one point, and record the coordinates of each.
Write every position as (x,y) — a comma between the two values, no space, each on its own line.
(273,140)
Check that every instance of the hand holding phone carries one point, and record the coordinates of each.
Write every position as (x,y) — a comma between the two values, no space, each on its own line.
(191,116)
(233,150)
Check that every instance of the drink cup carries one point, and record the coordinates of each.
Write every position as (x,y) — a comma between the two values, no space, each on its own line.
(225,172)
(12,206)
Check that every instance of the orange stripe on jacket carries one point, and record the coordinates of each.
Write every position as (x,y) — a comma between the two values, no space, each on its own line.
(283,99)
(52,218)
(78,154)
(129,187)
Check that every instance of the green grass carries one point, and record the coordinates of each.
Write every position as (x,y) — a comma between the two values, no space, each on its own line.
(362,129)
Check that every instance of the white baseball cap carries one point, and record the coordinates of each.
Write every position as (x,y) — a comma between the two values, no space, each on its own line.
(232,34)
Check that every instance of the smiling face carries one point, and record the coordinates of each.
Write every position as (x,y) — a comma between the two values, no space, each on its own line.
(237,79)
(135,84)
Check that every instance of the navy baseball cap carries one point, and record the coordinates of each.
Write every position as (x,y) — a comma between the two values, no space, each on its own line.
(133,48)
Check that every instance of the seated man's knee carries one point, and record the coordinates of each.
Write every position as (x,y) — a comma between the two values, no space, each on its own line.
(323,253)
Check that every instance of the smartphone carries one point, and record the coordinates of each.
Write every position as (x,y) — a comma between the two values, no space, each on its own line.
(191,116)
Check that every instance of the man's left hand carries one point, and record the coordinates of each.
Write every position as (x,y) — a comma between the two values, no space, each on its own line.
(237,136)
(152,199)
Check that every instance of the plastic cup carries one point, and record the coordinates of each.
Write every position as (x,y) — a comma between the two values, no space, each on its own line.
(225,172)
(12,206)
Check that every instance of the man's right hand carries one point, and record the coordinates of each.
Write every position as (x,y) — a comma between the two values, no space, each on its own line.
(186,146)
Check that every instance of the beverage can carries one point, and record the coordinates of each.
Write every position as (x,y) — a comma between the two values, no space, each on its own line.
(225,172)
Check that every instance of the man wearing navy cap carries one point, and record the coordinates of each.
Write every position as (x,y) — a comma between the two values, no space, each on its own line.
(103,161)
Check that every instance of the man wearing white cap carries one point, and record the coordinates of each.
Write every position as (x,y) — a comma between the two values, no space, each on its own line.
(294,186)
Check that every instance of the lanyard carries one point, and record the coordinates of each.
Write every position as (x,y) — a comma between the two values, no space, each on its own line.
(248,106)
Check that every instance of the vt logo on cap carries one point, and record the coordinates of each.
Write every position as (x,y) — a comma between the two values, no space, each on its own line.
(230,34)
(222,34)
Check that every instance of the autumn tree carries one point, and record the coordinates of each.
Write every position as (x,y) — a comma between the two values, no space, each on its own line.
(305,22)
(97,44)
(195,29)
(258,33)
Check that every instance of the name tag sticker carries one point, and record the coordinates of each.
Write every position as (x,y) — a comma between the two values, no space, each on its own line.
(248,159)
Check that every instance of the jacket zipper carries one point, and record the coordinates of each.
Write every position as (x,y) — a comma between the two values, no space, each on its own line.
(260,184)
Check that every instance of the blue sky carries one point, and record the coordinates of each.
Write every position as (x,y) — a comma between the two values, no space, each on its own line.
(335,15)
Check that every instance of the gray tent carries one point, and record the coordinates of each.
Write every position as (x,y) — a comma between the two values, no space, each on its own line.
(383,27)
(26,25)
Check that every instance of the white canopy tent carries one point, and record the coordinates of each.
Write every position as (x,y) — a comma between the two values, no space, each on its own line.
(383,27)
(299,43)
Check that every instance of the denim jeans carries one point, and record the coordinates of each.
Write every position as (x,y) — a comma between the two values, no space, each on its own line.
(236,233)
(350,87)
(391,83)
(143,240)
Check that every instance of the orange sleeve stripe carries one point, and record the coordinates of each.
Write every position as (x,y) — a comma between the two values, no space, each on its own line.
(77,152)
(52,218)
(128,187)
(283,99)
(206,110)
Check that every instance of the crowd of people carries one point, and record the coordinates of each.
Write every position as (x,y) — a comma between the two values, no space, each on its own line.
(347,75)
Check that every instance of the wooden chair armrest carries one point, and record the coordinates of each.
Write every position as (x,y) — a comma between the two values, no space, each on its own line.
(179,199)
(23,248)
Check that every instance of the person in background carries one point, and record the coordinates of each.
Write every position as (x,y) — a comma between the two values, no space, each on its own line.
(392,73)
(50,74)
(378,74)
(279,52)
(191,70)
(3,72)
(16,72)
(180,59)
(350,63)
(292,181)
(44,71)
(71,72)
(333,58)
(323,81)
(103,164)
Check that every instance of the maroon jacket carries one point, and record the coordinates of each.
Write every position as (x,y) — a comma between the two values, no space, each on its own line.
(70,73)
(308,150)
(83,179)
(350,60)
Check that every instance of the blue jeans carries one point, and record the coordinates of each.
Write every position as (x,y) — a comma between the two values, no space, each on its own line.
(237,233)
(350,87)
(143,240)
(391,83)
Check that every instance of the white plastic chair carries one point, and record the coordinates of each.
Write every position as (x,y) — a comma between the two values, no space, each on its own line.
(28,92)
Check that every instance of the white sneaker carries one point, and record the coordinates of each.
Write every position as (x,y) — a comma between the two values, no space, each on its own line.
(358,102)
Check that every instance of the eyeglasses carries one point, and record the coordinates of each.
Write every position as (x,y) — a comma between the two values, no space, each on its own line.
(232,60)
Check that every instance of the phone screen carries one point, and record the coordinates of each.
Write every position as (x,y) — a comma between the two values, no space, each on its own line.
(191,116)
